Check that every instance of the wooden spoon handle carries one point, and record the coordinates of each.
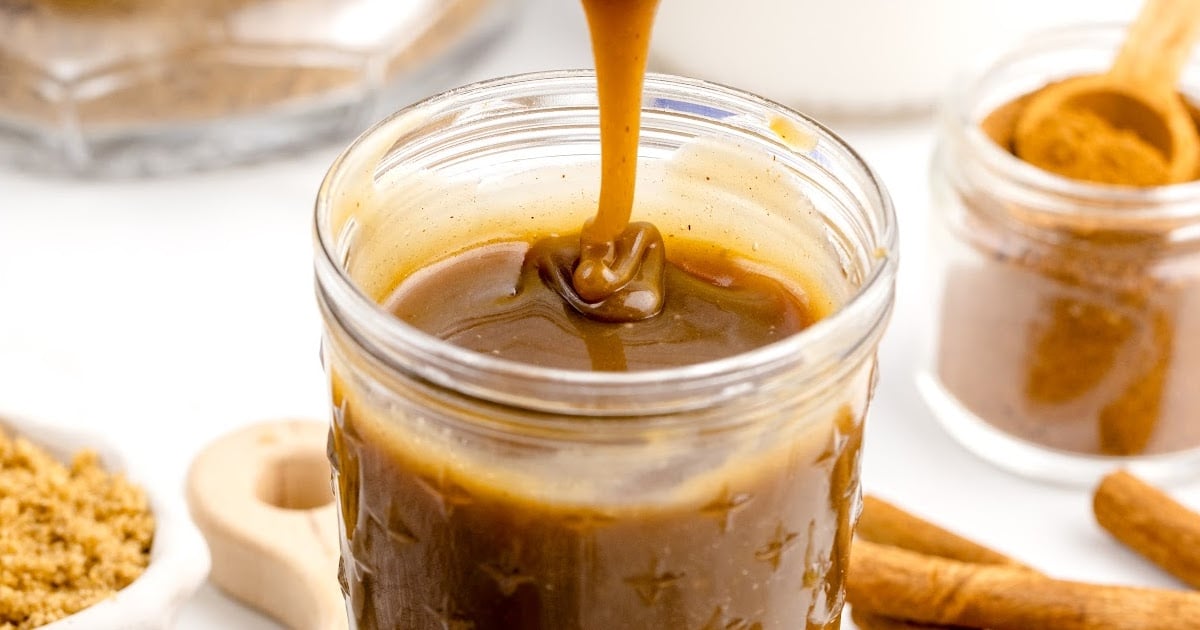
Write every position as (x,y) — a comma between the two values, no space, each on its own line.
(1158,45)
(262,498)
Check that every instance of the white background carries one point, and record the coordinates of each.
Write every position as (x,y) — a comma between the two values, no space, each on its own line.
(166,312)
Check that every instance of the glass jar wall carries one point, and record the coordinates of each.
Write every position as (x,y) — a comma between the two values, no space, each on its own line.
(1066,340)
(129,87)
(496,494)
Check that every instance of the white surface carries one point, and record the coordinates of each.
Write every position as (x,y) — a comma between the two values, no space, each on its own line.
(165,313)
(874,56)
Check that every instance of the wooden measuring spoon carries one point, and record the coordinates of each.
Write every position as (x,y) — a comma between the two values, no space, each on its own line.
(1138,94)
(261,497)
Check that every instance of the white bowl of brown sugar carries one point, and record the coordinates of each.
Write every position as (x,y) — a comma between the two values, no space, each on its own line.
(87,540)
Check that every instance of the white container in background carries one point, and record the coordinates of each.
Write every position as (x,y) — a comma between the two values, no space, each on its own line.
(851,57)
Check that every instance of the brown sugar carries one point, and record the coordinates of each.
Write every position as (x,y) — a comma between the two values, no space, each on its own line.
(70,535)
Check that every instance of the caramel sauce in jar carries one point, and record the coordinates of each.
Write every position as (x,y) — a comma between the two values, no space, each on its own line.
(504,460)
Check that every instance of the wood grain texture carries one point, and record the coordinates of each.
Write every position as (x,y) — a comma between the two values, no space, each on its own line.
(261,498)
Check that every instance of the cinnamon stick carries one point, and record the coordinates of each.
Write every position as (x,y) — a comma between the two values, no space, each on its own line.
(907,585)
(885,524)
(1150,523)
(866,620)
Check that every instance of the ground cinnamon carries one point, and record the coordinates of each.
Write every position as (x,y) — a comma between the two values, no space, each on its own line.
(1080,144)
(1090,334)
(1150,523)
(907,585)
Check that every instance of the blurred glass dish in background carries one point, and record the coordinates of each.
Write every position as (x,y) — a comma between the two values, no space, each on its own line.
(126,87)
(851,57)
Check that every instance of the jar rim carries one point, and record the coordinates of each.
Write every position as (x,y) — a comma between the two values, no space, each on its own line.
(1114,205)
(871,301)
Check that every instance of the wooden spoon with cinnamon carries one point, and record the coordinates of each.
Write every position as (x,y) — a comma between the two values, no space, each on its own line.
(1127,126)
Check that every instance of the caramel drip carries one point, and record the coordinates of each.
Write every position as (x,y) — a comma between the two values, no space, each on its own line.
(612,250)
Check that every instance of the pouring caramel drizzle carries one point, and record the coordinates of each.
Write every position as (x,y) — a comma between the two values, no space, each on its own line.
(606,298)
(612,250)
(620,31)
(502,529)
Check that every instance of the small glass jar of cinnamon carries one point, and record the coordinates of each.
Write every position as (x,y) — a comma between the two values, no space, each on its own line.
(480,491)
(1066,316)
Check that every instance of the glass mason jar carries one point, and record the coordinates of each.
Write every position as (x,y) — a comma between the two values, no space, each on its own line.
(478,492)
(1066,340)
(131,87)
